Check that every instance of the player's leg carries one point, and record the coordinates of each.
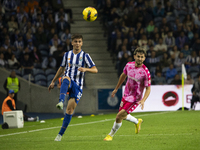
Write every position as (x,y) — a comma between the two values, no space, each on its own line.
(137,122)
(124,110)
(65,104)
(132,119)
(69,111)
(75,94)
(121,116)
(68,116)
(117,124)
(63,90)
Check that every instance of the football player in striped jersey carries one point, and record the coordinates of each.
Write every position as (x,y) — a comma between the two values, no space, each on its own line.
(74,66)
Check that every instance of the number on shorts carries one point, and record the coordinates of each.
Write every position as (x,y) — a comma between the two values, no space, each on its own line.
(79,95)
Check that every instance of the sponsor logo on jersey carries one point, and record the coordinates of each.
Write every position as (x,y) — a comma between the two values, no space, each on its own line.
(133,78)
(74,65)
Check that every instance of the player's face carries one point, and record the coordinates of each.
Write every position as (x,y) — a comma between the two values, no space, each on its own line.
(77,44)
(139,59)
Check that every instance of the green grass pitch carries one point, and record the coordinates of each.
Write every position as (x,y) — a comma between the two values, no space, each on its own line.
(179,130)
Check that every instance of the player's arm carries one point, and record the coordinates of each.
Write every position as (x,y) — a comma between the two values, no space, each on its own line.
(91,70)
(120,81)
(58,74)
(146,95)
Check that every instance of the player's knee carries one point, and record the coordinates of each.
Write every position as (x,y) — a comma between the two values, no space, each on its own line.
(70,111)
(66,77)
(66,81)
(118,117)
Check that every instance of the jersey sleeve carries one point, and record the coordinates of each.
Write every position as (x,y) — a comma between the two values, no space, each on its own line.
(64,60)
(125,69)
(89,61)
(147,80)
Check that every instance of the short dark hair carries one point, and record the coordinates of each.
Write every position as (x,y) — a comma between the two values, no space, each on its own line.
(77,36)
(140,50)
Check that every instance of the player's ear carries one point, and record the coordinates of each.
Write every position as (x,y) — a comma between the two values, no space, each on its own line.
(134,56)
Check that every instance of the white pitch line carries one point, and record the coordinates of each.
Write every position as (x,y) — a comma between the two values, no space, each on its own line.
(14,133)
(75,125)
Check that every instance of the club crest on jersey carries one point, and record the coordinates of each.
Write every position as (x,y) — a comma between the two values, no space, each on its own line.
(81,59)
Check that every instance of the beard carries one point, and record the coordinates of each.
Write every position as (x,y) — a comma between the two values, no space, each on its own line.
(139,63)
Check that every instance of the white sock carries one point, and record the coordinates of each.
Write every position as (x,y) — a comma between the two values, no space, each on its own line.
(114,129)
(131,119)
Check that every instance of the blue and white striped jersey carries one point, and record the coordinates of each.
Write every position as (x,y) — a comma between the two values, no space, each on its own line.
(72,62)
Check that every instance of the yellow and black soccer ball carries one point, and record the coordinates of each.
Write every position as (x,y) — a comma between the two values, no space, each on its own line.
(90,14)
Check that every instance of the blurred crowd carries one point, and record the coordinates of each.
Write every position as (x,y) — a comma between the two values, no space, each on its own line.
(169,30)
(34,34)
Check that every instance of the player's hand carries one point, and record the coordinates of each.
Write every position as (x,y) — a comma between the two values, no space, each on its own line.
(141,103)
(51,86)
(114,92)
(81,69)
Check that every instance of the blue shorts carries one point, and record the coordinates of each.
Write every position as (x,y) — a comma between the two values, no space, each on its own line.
(75,91)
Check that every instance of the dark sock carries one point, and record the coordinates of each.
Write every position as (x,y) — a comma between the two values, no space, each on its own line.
(66,122)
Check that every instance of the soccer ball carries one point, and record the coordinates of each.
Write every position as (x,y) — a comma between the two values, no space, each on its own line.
(90,14)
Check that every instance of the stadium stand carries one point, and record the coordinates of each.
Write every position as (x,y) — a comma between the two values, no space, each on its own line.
(33,30)
(29,27)
(175,22)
